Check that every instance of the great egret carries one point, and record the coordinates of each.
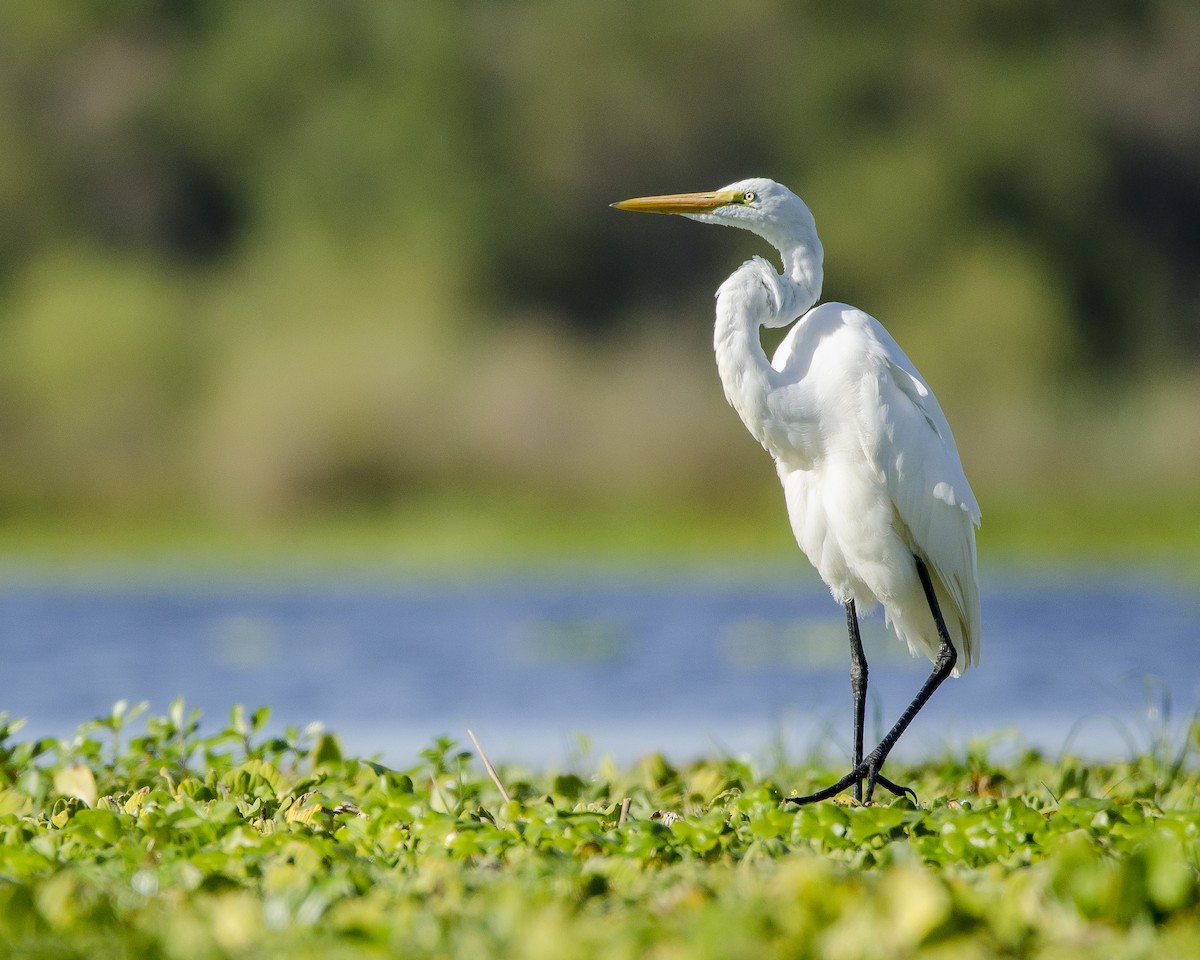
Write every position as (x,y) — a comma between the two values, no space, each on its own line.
(874,487)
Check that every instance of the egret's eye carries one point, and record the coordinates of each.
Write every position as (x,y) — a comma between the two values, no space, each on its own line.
(749,197)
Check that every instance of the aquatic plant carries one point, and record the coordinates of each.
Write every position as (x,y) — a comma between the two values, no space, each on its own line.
(170,841)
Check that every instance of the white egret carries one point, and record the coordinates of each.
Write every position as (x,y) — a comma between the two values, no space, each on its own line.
(874,487)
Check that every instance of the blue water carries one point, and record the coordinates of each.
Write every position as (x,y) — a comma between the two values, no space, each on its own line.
(686,663)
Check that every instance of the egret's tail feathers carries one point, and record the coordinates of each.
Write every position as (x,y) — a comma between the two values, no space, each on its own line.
(959,606)
(959,603)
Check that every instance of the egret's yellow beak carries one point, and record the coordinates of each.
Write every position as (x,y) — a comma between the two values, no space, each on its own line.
(681,202)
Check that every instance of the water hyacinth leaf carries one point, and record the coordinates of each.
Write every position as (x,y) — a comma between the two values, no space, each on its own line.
(78,782)
(256,774)
(1171,875)
(97,826)
(327,750)
(13,802)
(136,799)
(569,786)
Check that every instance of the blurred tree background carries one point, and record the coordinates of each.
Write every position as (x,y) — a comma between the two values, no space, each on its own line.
(267,261)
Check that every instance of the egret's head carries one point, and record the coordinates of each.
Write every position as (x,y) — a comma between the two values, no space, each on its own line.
(756,204)
(762,206)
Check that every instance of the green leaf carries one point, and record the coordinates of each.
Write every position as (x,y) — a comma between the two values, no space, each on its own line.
(97,826)
(77,782)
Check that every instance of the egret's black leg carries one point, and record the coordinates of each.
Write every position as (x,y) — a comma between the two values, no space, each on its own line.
(869,767)
(858,686)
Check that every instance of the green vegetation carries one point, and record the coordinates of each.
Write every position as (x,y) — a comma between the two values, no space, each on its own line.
(161,841)
(273,263)
(523,530)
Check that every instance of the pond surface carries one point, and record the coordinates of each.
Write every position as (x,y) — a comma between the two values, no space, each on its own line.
(682,662)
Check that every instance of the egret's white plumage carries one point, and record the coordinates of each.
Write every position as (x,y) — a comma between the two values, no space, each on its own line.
(870,470)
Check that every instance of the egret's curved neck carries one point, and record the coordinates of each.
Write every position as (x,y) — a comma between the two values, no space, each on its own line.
(803,259)
(756,296)
(805,272)
(753,295)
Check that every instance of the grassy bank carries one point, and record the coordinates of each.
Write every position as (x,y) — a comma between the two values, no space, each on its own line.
(160,838)
(456,532)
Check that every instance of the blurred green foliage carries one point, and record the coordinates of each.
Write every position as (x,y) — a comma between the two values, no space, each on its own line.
(264,261)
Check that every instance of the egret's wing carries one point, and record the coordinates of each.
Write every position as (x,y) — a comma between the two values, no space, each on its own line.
(842,378)
(919,460)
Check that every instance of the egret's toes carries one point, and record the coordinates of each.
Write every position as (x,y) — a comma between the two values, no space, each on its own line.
(873,777)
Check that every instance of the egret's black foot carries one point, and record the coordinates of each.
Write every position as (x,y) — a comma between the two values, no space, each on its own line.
(853,777)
